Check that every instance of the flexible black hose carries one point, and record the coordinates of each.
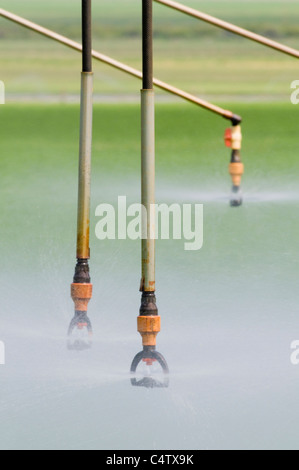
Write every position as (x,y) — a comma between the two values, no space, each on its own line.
(147,43)
(86,36)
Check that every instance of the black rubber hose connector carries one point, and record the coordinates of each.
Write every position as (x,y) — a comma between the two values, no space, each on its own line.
(86,36)
(147,44)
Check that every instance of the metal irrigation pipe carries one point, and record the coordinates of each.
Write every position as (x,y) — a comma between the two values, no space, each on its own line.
(230,27)
(120,66)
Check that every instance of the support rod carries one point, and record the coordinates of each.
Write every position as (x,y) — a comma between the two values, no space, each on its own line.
(230,27)
(120,66)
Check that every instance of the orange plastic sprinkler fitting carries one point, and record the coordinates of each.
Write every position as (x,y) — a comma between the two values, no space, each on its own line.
(149,327)
(81,295)
(236,170)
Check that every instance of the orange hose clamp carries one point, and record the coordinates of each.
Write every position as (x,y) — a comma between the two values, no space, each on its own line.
(81,295)
(149,327)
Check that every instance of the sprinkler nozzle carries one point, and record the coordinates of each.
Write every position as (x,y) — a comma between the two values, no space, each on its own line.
(149,325)
(236,197)
(236,171)
(80,332)
(80,329)
(150,357)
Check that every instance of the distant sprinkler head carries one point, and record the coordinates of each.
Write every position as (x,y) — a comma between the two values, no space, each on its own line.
(236,197)
(236,170)
(233,140)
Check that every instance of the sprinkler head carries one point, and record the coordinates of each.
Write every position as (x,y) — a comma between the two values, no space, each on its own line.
(80,329)
(236,197)
(233,140)
(149,365)
(150,369)
(80,332)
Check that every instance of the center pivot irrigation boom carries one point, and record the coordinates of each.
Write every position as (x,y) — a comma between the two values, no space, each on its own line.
(236,169)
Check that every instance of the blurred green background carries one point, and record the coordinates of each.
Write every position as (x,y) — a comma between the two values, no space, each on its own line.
(188,53)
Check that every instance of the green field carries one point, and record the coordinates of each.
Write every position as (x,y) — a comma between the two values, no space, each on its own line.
(39,150)
(188,54)
(45,137)
(120,18)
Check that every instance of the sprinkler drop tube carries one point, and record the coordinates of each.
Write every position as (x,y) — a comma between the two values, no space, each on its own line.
(148,155)
(149,322)
(81,289)
(236,167)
